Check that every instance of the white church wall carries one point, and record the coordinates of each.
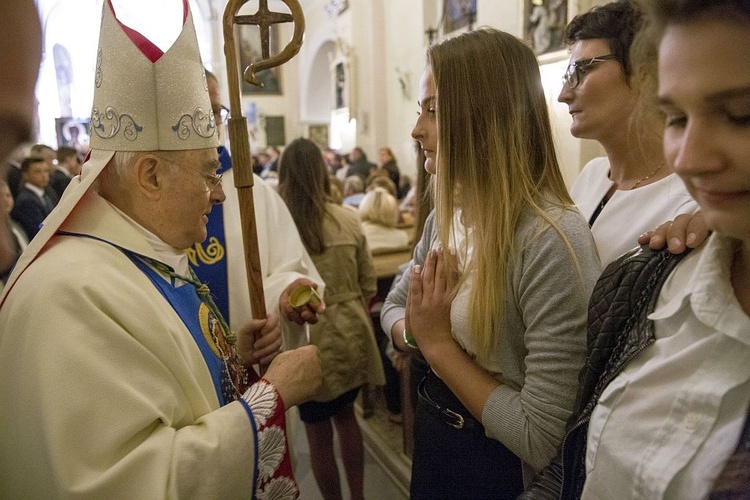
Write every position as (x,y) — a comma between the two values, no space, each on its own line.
(406,41)
(387,38)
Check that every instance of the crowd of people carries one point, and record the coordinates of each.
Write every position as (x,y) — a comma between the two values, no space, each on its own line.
(552,357)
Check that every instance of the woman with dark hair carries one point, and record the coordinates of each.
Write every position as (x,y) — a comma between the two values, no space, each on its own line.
(632,189)
(388,162)
(344,335)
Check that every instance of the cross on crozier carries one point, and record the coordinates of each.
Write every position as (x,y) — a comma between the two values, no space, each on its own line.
(264,19)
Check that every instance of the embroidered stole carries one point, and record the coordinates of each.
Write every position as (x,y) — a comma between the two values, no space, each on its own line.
(273,476)
(230,379)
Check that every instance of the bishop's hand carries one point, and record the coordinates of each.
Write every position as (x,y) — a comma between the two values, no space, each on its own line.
(259,340)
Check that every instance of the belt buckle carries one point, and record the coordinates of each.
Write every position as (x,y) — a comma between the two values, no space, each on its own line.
(458,418)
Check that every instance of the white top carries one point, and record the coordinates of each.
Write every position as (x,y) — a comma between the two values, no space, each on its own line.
(666,425)
(628,214)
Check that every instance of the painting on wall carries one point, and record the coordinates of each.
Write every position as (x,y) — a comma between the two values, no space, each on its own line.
(340,97)
(544,24)
(275,131)
(458,14)
(342,92)
(73,132)
(318,134)
(250,52)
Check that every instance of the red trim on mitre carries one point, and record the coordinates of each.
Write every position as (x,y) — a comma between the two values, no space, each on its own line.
(145,45)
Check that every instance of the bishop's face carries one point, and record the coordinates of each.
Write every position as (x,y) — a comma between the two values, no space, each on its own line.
(425,130)
(190,192)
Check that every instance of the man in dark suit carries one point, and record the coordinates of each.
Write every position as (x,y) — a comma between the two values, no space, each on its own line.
(33,203)
(68,166)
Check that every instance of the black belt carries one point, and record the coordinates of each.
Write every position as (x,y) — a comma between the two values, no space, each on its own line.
(450,417)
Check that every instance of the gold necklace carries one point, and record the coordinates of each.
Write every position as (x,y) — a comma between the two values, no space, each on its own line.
(643,179)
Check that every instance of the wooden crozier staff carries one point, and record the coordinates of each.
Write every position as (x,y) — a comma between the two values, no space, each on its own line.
(239,144)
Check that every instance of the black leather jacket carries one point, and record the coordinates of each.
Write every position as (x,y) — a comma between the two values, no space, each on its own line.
(619,329)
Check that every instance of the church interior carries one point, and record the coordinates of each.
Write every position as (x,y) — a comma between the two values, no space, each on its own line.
(352,84)
(377,47)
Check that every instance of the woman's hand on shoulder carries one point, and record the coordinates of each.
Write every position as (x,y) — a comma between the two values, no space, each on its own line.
(685,231)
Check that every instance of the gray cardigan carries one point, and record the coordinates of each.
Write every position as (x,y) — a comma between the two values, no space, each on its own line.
(543,344)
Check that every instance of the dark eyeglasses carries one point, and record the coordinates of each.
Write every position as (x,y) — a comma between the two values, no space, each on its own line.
(221,114)
(577,69)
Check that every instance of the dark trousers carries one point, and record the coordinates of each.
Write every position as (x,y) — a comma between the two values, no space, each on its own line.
(457,463)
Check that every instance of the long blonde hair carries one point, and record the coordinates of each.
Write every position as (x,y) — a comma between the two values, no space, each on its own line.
(496,157)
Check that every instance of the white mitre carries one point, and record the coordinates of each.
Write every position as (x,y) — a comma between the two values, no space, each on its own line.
(144,100)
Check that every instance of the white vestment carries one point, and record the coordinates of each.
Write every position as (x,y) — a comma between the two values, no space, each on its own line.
(104,392)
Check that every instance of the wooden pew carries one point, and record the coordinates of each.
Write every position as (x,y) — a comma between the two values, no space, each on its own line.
(387,261)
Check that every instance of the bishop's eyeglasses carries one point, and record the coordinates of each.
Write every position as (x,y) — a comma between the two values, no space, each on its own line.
(212,180)
(221,114)
(578,69)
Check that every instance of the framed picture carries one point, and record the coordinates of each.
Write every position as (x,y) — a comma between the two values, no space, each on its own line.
(342,94)
(275,131)
(340,97)
(458,14)
(544,24)
(318,134)
(250,52)
(73,132)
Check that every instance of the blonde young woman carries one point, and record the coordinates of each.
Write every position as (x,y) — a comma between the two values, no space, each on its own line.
(378,212)
(498,305)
